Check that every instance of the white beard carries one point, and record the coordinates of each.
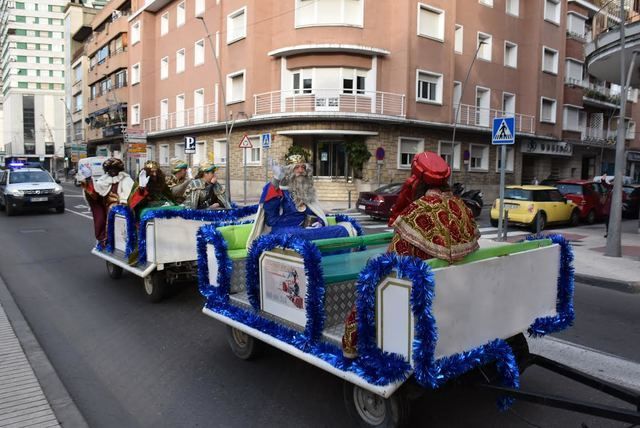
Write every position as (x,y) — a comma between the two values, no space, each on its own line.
(302,190)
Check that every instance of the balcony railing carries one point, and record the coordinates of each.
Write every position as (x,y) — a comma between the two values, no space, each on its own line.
(330,100)
(572,81)
(483,117)
(181,119)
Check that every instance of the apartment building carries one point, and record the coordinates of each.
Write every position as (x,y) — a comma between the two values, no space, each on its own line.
(32,75)
(77,21)
(106,100)
(326,75)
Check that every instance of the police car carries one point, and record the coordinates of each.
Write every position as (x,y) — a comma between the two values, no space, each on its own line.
(22,188)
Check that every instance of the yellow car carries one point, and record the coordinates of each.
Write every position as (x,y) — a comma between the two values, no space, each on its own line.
(535,207)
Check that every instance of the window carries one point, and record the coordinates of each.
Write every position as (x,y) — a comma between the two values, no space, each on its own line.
(220,152)
(510,55)
(180,110)
(407,149)
(180,61)
(201,152)
(198,52)
(484,41)
(459,37)
(198,106)
(121,79)
(574,72)
(575,24)
(254,155)
(457,94)
(329,12)
(135,73)
(164,23)
(150,153)
(478,158)
(164,68)
(508,167)
(180,15)
(513,7)
(430,22)
(235,87)
(571,119)
(487,2)
(307,83)
(549,60)
(237,25)
(77,101)
(77,73)
(444,150)
(483,106)
(164,113)
(199,7)
(547,110)
(135,114)
(508,104)
(135,32)
(178,151)
(552,11)
(429,88)
(163,154)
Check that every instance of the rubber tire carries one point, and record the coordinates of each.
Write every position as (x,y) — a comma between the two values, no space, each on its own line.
(591,217)
(10,210)
(396,411)
(542,217)
(155,286)
(494,223)
(114,271)
(60,210)
(243,345)
(574,220)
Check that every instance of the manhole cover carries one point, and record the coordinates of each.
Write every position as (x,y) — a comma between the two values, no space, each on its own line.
(33,230)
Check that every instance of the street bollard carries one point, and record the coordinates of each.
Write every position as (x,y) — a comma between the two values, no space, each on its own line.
(349,203)
(505,225)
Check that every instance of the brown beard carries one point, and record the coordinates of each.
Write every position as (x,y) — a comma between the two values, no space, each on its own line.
(302,190)
(157,184)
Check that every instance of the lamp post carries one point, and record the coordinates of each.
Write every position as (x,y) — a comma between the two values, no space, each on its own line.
(227,132)
(457,111)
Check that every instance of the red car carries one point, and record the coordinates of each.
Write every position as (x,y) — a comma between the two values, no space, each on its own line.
(587,196)
(378,203)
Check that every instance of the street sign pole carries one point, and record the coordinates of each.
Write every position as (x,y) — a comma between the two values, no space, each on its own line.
(501,232)
(245,176)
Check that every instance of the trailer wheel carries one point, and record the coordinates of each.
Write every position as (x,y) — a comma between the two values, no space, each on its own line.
(155,286)
(371,410)
(242,345)
(114,271)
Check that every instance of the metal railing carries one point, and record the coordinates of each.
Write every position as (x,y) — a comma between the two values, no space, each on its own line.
(180,119)
(575,82)
(330,100)
(483,117)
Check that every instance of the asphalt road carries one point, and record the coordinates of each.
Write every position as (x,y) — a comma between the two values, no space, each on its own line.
(129,363)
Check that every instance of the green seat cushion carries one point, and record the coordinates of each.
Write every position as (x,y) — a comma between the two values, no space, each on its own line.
(344,267)
(167,208)
(236,235)
(238,254)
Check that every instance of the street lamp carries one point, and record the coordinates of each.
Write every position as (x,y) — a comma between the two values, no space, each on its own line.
(455,116)
(227,133)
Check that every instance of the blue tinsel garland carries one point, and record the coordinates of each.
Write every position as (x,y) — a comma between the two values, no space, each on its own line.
(217,216)
(564,301)
(219,292)
(314,300)
(126,212)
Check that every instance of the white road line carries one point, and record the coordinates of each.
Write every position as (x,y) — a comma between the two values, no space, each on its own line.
(72,196)
(591,361)
(80,214)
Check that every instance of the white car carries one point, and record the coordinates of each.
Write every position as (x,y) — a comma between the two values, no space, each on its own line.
(29,188)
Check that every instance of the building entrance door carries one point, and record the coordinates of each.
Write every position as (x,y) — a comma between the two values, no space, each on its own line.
(588,168)
(331,159)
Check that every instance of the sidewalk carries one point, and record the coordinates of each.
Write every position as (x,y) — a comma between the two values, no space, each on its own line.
(31,394)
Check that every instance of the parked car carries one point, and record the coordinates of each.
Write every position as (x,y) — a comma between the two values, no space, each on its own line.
(631,201)
(536,206)
(378,203)
(587,195)
(29,188)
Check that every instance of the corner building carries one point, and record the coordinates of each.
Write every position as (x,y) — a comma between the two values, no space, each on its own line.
(326,74)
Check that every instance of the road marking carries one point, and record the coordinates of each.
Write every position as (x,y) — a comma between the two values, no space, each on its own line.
(81,206)
(600,364)
(73,196)
(80,214)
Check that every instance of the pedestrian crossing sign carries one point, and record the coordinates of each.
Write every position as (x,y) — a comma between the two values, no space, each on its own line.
(503,131)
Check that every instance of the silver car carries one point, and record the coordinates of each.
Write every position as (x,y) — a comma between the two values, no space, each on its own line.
(29,188)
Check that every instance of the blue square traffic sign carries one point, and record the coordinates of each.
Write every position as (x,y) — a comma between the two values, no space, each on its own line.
(504,130)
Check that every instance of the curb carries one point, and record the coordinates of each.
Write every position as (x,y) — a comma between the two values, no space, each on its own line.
(61,403)
(632,287)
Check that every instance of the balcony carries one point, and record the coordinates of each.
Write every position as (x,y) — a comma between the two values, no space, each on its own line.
(483,117)
(572,81)
(330,101)
(603,94)
(194,116)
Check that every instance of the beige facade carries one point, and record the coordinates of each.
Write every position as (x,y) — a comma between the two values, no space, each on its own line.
(327,74)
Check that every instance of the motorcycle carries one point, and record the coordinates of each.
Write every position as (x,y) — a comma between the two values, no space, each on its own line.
(471,198)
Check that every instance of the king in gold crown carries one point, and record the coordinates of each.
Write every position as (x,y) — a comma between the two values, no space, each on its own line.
(295,160)
(151,165)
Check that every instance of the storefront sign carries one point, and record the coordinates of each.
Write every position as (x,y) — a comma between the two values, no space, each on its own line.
(558,148)
(633,156)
